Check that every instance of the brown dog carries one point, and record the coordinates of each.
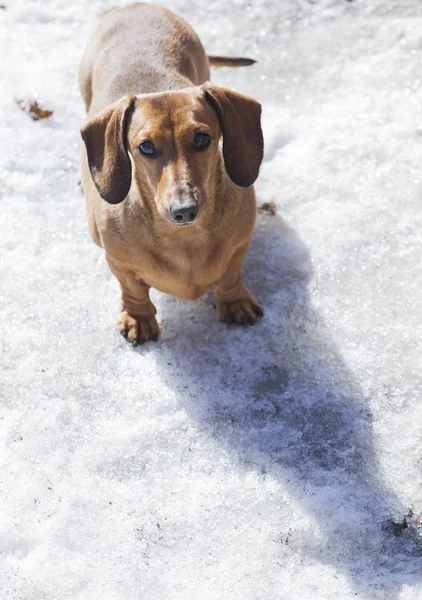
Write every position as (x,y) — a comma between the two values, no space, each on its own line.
(170,209)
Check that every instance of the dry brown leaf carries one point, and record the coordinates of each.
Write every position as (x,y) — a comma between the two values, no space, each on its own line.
(268,208)
(2,6)
(34,110)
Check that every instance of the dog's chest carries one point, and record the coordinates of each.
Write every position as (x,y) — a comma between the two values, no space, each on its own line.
(187,273)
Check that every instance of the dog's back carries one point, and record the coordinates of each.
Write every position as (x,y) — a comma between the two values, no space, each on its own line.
(141,48)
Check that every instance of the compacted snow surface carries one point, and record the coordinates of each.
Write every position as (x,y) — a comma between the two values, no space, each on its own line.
(275,462)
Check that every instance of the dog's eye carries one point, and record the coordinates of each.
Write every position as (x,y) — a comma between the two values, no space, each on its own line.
(202,141)
(147,148)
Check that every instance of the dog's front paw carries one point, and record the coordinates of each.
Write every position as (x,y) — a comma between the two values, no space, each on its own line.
(244,311)
(138,329)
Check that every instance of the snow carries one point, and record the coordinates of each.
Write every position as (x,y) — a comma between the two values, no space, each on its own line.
(221,463)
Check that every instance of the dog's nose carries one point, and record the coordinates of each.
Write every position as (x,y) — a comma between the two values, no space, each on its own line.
(183,213)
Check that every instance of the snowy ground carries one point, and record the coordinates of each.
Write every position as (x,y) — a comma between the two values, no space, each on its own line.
(221,464)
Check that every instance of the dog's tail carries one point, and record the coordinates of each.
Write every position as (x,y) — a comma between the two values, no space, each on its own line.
(228,61)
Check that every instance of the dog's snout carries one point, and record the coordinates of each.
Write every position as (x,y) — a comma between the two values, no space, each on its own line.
(183,213)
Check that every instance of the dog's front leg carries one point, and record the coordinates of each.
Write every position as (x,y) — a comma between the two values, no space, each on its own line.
(136,322)
(235,304)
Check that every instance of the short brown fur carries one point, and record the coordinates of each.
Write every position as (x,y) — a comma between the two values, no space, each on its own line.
(148,51)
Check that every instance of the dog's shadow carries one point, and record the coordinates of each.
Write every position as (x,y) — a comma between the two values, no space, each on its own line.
(282,400)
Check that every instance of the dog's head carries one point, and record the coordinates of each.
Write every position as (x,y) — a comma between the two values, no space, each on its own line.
(172,140)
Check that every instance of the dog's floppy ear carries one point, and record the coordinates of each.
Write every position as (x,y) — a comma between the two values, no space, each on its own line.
(105,137)
(243,144)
